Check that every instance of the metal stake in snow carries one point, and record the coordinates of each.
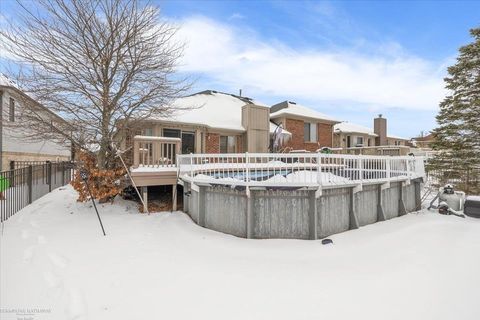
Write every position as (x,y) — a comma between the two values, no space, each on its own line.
(84,176)
(119,154)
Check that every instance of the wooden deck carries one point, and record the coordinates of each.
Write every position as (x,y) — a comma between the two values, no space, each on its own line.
(155,178)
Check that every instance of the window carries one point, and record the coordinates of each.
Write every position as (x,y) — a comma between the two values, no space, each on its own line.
(369,142)
(147,132)
(12,110)
(359,141)
(310,132)
(171,133)
(227,144)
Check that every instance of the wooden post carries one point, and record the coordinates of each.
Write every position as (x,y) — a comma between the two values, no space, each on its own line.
(174,197)
(136,153)
(145,199)
(49,175)
(30,183)
(63,172)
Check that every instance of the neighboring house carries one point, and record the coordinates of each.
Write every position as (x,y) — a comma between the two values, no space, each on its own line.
(14,144)
(424,142)
(215,122)
(311,130)
(349,135)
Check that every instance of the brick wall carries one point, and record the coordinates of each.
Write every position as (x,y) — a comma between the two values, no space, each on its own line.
(240,144)
(324,136)
(296,129)
(212,143)
(325,132)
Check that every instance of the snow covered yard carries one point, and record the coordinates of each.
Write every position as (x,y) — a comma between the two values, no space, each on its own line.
(163,266)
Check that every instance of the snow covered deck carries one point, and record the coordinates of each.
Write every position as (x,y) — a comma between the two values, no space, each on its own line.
(163,266)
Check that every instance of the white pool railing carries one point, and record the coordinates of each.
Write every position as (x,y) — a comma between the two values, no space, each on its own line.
(297,169)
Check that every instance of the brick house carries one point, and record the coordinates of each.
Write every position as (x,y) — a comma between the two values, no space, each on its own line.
(216,122)
(213,122)
(310,129)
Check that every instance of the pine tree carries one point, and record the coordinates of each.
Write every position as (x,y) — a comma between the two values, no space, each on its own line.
(458,132)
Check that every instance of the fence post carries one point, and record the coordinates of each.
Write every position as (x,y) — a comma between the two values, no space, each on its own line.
(49,175)
(30,183)
(387,169)
(360,169)
(247,169)
(191,166)
(62,167)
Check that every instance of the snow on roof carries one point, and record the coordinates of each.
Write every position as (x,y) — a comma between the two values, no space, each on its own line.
(273,127)
(6,81)
(211,108)
(397,137)
(295,109)
(347,127)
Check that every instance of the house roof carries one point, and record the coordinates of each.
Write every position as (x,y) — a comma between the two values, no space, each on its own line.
(293,109)
(274,126)
(428,137)
(397,138)
(211,108)
(347,127)
(6,81)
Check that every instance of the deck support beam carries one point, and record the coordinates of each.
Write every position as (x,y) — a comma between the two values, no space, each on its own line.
(145,198)
(174,197)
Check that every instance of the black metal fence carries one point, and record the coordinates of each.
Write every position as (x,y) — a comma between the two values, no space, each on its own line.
(23,164)
(22,186)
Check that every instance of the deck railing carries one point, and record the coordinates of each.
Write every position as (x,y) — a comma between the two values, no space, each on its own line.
(374,150)
(155,151)
(297,170)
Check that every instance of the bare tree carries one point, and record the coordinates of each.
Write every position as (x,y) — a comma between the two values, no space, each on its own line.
(99,64)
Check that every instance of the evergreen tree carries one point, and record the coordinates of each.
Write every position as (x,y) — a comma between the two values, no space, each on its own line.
(458,132)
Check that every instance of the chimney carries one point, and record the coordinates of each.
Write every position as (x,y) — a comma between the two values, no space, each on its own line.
(240,92)
(380,129)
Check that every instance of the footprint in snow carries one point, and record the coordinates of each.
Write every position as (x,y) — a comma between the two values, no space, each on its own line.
(58,260)
(34,223)
(76,306)
(42,239)
(52,280)
(28,254)
(25,234)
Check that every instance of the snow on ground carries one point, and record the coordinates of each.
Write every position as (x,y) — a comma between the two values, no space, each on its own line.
(163,266)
